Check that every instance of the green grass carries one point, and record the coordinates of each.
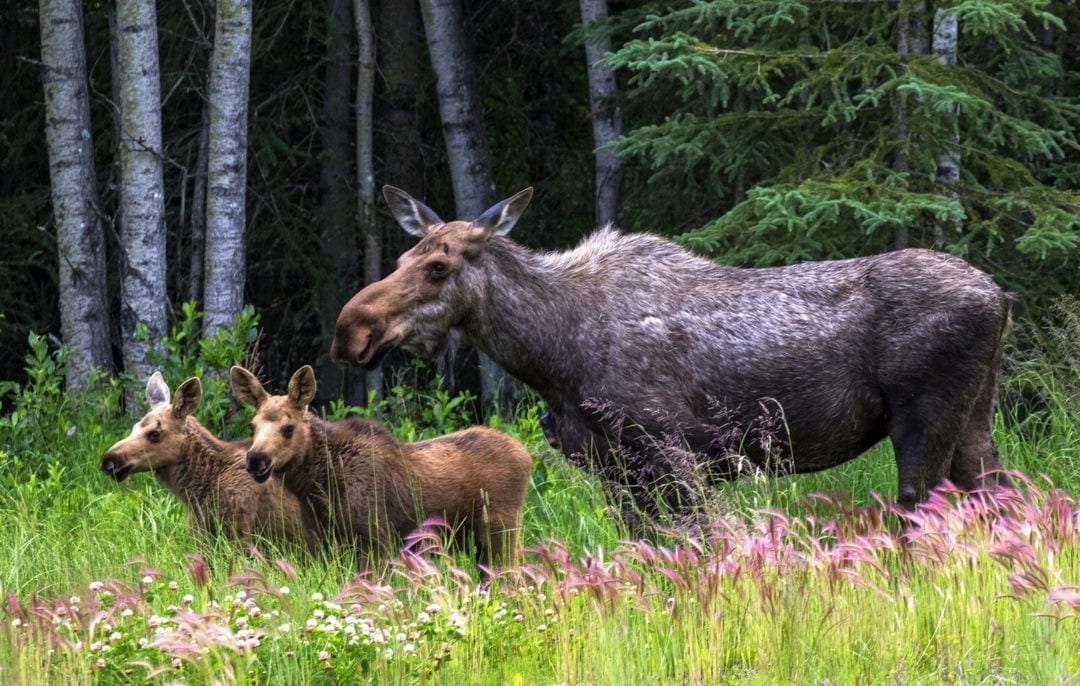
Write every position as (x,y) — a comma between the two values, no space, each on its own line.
(106,583)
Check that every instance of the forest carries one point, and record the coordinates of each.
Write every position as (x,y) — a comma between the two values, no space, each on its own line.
(189,186)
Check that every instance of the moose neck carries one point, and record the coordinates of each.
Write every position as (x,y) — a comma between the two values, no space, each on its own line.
(528,304)
(203,458)
(312,477)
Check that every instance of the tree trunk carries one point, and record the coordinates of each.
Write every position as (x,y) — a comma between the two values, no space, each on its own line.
(365,159)
(399,54)
(606,119)
(198,213)
(142,188)
(80,239)
(338,279)
(467,151)
(900,117)
(230,67)
(944,46)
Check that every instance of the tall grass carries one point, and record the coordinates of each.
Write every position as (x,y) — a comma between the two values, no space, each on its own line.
(805,579)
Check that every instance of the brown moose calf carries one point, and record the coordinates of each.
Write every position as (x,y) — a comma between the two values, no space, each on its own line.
(370,488)
(207,474)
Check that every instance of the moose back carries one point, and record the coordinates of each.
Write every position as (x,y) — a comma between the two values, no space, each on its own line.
(659,367)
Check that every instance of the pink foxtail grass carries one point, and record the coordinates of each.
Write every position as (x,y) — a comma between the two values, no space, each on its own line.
(971,588)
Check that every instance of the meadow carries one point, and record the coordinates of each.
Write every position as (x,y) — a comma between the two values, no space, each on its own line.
(801,580)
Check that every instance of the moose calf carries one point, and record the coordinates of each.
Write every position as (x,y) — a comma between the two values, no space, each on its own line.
(205,473)
(370,487)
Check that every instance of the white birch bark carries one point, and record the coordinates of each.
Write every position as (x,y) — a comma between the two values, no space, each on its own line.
(459,108)
(365,158)
(79,235)
(466,149)
(142,203)
(944,46)
(230,67)
(606,118)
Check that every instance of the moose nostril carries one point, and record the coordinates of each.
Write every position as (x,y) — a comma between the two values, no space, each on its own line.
(258,466)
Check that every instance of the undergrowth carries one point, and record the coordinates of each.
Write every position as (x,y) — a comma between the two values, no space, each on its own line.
(803,579)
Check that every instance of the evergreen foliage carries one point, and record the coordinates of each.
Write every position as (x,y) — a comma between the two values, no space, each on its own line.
(835,121)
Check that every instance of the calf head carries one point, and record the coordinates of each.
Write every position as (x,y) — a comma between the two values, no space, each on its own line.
(280,432)
(424,298)
(157,439)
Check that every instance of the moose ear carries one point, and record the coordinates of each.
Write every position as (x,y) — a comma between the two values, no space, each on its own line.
(302,387)
(246,387)
(414,216)
(157,391)
(501,217)
(187,398)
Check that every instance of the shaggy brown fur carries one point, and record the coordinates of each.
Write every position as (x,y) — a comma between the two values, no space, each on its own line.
(207,474)
(660,368)
(373,489)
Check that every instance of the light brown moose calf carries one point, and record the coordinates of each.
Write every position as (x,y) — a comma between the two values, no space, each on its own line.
(371,488)
(207,474)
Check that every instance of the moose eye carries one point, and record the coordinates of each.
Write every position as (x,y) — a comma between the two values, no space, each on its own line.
(438,270)
(287,432)
(154,436)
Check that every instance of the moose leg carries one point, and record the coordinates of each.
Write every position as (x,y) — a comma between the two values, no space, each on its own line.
(923,433)
(498,539)
(976,454)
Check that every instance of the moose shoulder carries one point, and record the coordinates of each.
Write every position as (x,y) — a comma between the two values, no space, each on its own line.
(659,366)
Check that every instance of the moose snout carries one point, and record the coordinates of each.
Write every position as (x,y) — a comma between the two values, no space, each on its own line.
(259,466)
(115,466)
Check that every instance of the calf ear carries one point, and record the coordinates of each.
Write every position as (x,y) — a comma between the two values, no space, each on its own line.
(501,217)
(302,387)
(414,216)
(187,398)
(157,391)
(246,387)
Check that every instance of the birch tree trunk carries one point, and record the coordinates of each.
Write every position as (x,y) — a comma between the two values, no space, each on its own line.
(142,195)
(467,151)
(365,159)
(944,46)
(606,118)
(80,238)
(338,279)
(230,67)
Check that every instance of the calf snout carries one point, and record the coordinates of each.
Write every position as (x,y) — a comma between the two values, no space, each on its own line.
(259,466)
(115,466)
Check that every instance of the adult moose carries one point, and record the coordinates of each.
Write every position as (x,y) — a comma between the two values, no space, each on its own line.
(660,367)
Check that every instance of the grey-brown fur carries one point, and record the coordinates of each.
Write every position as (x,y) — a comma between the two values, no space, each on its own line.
(206,473)
(373,489)
(656,362)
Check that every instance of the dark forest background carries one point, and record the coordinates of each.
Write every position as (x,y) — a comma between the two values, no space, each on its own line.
(755,133)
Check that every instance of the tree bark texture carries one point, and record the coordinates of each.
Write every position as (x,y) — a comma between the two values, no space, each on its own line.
(230,72)
(605,115)
(467,151)
(459,108)
(142,204)
(337,281)
(399,53)
(365,158)
(944,46)
(198,214)
(79,235)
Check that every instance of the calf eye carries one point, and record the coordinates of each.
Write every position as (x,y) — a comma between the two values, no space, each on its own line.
(288,431)
(154,436)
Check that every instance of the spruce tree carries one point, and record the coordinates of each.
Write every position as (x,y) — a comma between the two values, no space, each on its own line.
(781,130)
